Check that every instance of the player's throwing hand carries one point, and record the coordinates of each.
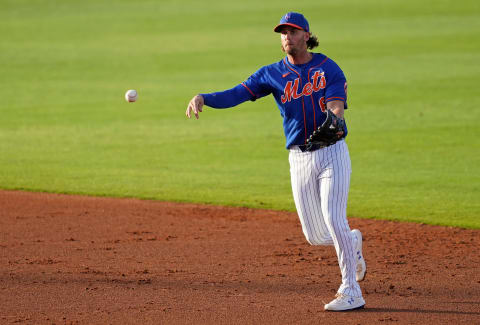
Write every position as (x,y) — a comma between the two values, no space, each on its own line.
(195,106)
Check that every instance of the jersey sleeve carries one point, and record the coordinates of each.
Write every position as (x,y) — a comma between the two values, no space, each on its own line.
(336,88)
(256,86)
(227,98)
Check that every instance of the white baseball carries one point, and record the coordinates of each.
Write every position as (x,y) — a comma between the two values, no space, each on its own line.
(131,95)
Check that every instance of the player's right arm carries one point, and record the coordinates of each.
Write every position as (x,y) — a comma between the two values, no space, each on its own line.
(222,99)
(255,87)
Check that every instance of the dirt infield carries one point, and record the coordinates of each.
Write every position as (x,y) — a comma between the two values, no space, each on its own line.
(73,259)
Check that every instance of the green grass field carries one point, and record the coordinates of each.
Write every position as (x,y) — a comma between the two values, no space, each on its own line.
(65,127)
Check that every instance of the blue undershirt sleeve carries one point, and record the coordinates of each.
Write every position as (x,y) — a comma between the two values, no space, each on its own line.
(228,98)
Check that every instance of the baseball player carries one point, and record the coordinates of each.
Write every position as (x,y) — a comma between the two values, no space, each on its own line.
(311,93)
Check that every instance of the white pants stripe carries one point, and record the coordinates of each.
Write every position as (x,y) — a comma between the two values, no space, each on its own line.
(320,184)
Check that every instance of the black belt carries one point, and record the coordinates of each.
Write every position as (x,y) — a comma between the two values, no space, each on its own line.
(313,147)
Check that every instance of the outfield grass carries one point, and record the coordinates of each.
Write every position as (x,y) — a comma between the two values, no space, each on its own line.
(414,112)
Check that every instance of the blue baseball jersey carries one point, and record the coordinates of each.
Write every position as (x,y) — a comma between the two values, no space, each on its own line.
(300,91)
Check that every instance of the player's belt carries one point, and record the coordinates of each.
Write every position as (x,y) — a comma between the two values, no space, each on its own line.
(314,147)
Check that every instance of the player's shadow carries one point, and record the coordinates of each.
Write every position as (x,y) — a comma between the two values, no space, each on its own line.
(420,311)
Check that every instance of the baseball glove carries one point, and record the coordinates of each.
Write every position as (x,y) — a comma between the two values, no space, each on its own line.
(332,130)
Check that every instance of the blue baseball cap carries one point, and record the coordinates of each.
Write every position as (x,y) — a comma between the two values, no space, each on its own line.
(293,19)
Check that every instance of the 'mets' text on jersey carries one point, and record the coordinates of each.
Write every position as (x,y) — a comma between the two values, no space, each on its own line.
(300,91)
(315,85)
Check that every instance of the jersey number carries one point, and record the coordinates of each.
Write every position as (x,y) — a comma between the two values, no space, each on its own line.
(322,104)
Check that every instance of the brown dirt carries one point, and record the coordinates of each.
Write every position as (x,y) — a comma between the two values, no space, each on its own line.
(73,259)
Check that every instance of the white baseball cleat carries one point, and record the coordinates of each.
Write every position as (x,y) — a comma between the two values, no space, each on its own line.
(361,265)
(345,303)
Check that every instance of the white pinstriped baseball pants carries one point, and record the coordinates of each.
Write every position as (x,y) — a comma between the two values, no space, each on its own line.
(320,184)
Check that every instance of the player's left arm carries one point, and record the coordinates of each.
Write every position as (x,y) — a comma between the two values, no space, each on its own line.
(336,90)
(337,107)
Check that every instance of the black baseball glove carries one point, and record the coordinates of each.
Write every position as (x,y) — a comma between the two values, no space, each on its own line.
(332,130)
